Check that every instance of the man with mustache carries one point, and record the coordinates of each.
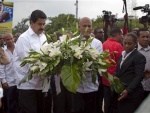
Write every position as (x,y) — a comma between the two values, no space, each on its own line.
(31,98)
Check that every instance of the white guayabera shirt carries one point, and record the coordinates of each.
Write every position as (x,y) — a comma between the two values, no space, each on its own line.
(87,85)
(28,40)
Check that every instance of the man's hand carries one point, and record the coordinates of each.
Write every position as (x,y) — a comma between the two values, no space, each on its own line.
(5,85)
(123,95)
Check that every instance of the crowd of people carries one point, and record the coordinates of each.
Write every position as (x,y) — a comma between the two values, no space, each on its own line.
(131,53)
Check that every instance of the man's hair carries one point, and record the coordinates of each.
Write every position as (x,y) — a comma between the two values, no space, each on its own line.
(35,15)
(132,35)
(115,30)
(141,29)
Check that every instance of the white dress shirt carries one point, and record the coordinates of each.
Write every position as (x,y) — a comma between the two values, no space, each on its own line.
(7,73)
(146,53)
(87,85)
(27,41)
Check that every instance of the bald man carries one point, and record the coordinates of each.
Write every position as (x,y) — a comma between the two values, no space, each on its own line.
(8,72)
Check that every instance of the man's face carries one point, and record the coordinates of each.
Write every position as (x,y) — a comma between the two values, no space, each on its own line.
(85,28)
(38,26)
(119,37)
(9,40)
(144,39)
(100,34)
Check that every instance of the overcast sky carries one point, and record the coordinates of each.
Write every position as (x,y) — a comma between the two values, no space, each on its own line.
(88,8)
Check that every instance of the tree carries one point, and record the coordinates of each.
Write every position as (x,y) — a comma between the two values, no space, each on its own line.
(21,26)
(66,21)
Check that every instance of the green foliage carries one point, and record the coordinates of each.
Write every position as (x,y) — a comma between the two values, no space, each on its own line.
(67,21)
(70,77)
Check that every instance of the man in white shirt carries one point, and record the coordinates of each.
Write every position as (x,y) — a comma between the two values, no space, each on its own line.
(144,48)
(7,74)
(31,98)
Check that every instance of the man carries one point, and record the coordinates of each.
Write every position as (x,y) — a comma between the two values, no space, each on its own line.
(31,98)
(115,49)
(144,48)
(84,101)
(99,34)
(135,30)
(8,74)
(87,89)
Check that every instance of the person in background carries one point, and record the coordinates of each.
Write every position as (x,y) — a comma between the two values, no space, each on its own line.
(144,48)
(8,74)
(113,45)
(99,34)
(16,36)
(130,71)
(135,30)
(31,99)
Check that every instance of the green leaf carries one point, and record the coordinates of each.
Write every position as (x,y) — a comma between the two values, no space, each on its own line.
(44,71)
(30,76)
(23,80)
(70,77)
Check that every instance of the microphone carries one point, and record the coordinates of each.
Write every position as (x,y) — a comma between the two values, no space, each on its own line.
(137,8)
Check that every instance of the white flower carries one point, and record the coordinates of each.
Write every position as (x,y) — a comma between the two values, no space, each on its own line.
(54,52)
(42,65)
(101,62)
(63,38)
(56,43)
(33,68)
(101,70)
(87,65)
(94,53)
(44,49)
(78,51)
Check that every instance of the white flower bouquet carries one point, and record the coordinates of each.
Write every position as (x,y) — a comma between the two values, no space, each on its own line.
(70,58)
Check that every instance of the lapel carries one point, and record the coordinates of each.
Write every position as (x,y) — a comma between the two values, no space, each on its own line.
(127,61)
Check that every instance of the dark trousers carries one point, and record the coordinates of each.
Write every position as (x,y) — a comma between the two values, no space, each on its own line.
(100,96)
(146,93)
(107,99)
(34,101)
(132,101)
(12,99)
(68,102)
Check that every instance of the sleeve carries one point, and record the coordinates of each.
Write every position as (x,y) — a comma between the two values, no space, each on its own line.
(3,57)
(99,46)
(2,73)
(22,47)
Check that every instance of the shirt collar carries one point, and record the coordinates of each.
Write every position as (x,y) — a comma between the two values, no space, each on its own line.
(124,52)
(141,48)
(31,32)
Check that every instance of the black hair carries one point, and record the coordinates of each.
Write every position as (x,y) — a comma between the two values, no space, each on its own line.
(115,30)
(132,35)
(141,29)
(36,14)
(95,30)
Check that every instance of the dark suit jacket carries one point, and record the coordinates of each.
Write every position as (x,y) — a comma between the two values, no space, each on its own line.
(131,72)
